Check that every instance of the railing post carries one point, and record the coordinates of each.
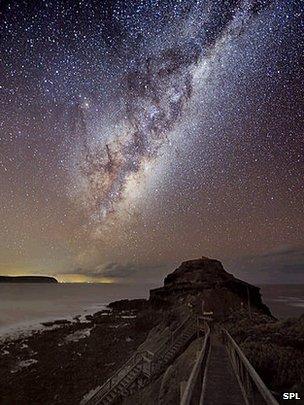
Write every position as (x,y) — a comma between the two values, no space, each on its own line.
(197,327)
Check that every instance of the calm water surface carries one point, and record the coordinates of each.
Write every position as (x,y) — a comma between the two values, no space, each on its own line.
(26,304)
(284,300)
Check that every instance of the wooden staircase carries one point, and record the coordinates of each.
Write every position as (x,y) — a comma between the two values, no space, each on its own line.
(142,366)
(180,337)
(121,389)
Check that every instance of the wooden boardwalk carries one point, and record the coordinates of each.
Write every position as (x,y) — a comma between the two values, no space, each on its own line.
(221,375)
(222,386)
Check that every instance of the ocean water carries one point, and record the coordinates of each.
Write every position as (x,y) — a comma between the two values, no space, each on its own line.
(24,306)
(284,300)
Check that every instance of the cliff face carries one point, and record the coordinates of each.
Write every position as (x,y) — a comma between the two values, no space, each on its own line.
(206,280)
(27,279)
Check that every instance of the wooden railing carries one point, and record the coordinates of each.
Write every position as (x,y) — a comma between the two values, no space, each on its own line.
(195,383)
(171,339)
(157,360)
(147,361)
(254,390)
(176,333)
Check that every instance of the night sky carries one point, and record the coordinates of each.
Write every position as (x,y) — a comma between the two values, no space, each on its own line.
(137,134)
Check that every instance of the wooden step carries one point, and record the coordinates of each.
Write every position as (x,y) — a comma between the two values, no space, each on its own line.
(124,383)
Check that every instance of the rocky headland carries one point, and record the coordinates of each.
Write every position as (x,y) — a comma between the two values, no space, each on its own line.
(206,280)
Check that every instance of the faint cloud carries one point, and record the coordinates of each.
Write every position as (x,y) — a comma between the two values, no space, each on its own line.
(284,251)
(282,265)
(120,272)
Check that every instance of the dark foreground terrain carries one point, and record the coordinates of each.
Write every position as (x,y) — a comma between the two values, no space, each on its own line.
(60,366)
(274,348)
(62,363)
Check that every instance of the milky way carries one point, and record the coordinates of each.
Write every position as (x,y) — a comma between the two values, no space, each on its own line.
(154,98)
(137,134)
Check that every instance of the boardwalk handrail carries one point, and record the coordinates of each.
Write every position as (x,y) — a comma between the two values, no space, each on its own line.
(139,357)
(195,380)
(179,328)
(253,388)
(171,339)
(166,346)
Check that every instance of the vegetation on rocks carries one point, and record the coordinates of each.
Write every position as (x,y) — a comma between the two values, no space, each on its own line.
(274,348)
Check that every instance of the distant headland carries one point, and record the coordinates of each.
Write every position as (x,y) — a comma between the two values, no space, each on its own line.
(27,279)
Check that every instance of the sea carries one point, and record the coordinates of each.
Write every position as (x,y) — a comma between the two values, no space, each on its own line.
(284,300)
(23,307)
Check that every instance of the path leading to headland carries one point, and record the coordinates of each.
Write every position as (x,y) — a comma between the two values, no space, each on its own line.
(222,387)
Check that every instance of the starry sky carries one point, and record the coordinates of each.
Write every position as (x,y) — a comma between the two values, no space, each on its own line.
(137,134)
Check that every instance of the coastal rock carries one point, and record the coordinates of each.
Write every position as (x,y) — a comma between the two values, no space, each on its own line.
(57,322)
(206,280)
(129,305)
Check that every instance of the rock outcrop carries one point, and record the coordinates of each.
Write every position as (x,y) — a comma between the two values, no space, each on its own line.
(206,280)
(129,305)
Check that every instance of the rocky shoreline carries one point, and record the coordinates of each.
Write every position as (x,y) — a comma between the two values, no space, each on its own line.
(63,362)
